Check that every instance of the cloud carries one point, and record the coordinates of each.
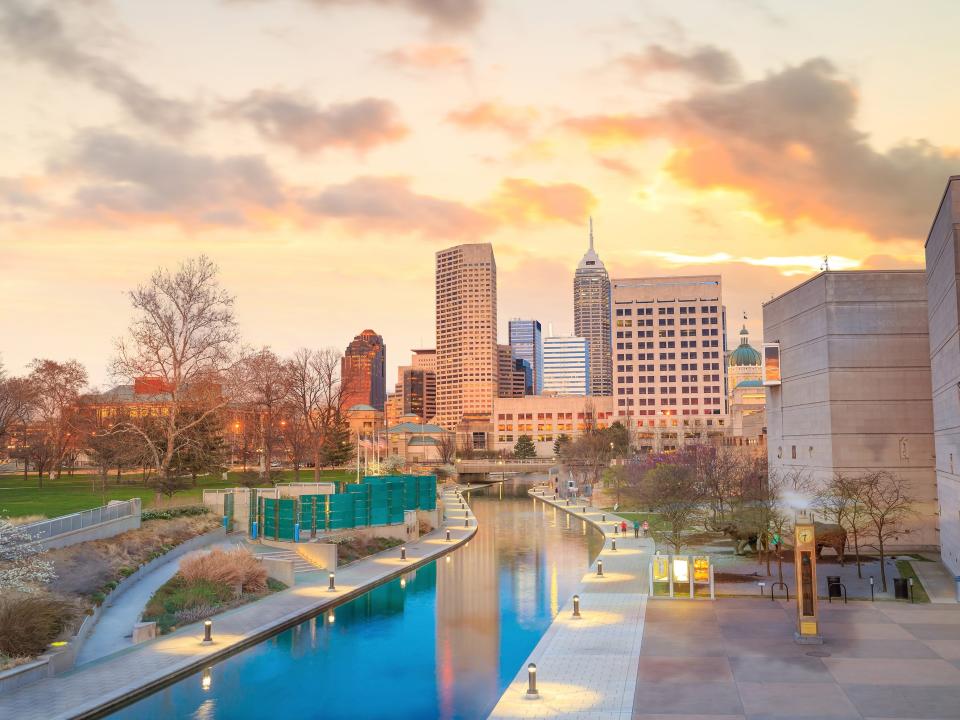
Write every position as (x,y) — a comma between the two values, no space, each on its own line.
(39,35)
(124,180)
(388,204)
(617,165)
(442,14)
(789,143)
(512,120)
(787,265)
(284,118)
(428,57)
(523,202)
(706,63)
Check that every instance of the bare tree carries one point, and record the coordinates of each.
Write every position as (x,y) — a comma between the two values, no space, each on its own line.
(673,491)
(447,447)
(840,501)
(317,391)
(184,335)
(15,400)
(265,384)
(886,504)
(55,391)
(719,469)
(295,435)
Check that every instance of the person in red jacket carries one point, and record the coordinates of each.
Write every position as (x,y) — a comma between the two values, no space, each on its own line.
(623,527)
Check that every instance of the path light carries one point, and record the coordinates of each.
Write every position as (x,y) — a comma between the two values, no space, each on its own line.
(403,552)
(871,588)
(332,585)
(599,568)
(206,680)
(466,522)
(614,545)
(208,632)
(448,535)
(576,606)
(603,518)
(532,680)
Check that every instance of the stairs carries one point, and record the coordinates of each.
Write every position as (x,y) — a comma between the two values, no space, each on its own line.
(300,565)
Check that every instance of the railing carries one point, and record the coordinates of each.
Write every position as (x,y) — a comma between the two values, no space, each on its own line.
(509,461)
(46,529)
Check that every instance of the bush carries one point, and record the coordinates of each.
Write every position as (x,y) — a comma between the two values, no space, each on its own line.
(236,567)
(29,623)
(171,513)
(179,601)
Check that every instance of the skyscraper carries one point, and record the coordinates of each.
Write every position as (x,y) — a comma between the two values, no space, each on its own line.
(466,321)
(566,361)
(526,339)
(591,317)
(670,379)
(363,370)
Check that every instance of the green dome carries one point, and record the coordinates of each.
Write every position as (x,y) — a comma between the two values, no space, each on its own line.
(744,355)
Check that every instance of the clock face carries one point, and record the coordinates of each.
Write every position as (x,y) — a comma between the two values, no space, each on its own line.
(804,536)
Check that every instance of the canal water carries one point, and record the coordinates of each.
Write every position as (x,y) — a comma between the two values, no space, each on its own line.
(442,642)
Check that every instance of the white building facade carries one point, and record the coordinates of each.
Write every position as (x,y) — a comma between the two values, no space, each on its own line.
(566,362)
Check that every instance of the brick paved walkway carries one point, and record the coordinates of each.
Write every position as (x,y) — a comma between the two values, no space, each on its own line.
(587,667)
(101,683)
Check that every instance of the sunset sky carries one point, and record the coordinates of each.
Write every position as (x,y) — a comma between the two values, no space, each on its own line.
(321,151)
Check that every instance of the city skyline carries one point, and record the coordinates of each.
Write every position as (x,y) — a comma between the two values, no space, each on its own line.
(123,127)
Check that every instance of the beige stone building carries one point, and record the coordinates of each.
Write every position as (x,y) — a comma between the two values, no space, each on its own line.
(546,417)
(855,392)
(943,307)
(466,325)
(669,351)
(746,400)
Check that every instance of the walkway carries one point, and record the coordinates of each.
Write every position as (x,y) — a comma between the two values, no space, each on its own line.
(100,684)
(939,583)
(587,667)
(114,628)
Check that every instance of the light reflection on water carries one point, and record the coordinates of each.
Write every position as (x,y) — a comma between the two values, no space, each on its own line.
(445,645)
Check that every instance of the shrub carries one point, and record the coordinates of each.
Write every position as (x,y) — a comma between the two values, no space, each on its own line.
(179,601)
(175,512)
(236,567)
(29,623)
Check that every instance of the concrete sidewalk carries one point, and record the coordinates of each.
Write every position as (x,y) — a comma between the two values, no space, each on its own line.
(114,628)
(99,685)
(939,583)
(587,667)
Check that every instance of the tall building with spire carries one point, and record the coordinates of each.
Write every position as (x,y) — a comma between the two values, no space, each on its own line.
(591,318)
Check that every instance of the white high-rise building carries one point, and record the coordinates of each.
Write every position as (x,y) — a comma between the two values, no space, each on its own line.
(565,363)
(591,317)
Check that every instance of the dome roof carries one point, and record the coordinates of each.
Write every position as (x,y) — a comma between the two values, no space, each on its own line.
(745,354)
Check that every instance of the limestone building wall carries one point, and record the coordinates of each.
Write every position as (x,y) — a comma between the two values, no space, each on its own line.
(943,317)
(855,395)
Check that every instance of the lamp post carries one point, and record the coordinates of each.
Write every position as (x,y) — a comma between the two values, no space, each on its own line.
(208,632)
(532,680)
(576,606)
(599,568)
(332,582)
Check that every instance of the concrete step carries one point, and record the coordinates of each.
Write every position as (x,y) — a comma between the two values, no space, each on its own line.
(300,565)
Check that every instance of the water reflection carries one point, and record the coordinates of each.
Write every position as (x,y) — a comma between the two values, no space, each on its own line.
(444,643)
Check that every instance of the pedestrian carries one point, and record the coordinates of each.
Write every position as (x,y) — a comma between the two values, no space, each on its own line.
(636,528)
(646,526)
(623,527)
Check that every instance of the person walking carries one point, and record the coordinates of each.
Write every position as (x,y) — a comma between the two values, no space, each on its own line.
(636,528)
(646,526)
(623,527)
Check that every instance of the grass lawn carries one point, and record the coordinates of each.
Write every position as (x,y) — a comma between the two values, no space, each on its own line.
(73,493)
(655,520)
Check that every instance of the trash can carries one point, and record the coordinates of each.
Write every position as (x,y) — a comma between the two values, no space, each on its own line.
(833,586)
(900,589)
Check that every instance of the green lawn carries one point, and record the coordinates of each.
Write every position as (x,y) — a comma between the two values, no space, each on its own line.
(655,520)
(73,493)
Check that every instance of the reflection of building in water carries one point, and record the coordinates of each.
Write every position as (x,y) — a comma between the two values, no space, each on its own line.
(468,621)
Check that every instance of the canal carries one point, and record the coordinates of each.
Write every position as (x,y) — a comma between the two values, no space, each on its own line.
(442,642)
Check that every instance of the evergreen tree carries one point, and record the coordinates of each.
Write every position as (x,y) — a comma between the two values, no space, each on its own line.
(562,441)
(524,447)
(337,446)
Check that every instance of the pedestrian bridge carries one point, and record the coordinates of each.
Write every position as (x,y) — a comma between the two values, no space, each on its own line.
(494,467)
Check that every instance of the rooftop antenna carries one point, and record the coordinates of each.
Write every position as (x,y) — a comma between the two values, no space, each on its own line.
(591,232)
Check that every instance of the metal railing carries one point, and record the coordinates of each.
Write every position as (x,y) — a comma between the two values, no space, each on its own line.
(46,529)
(509,461)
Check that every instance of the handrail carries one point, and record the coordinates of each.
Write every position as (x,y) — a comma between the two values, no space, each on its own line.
(46,529)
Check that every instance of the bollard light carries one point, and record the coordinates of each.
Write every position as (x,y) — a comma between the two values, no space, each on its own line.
(614,545)
(448,535)
(616,529)
(599,568)
(466,522)
(871,588)
(332,584)
(532,680)
(603,518)
(207,632)
(206,680)
(576,606)
(403,552)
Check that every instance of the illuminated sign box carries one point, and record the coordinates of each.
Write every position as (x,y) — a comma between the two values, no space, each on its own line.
(771,364)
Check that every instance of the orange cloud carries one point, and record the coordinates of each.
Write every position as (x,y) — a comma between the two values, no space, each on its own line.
(428,57)
(523,202)
(515,121)
(788,142)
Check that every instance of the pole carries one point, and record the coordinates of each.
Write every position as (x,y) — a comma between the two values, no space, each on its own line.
(358,457)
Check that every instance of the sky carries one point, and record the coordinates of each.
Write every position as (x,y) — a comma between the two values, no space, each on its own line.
(321,152)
